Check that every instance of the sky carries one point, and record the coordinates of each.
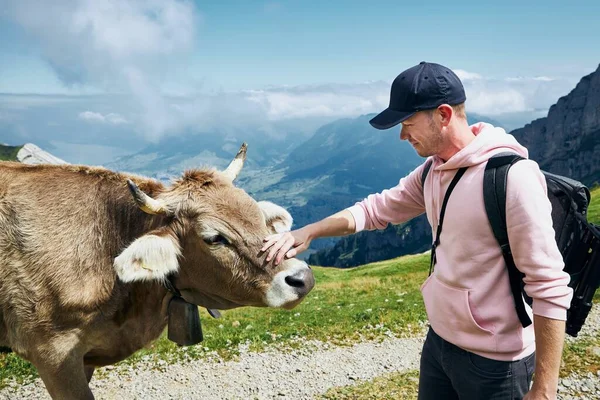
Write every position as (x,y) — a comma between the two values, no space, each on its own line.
(174,64)
(248,44)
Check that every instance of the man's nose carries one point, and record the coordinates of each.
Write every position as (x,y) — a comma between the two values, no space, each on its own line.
(403,135)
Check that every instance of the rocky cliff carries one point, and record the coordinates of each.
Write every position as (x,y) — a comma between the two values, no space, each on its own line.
(567,141)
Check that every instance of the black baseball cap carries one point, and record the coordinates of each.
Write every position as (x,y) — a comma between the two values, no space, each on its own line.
(422,87)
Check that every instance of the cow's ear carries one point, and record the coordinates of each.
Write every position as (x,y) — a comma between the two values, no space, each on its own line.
(149,257)
(277,217)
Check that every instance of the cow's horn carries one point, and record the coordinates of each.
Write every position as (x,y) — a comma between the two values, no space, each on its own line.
(145,202)
(236,165)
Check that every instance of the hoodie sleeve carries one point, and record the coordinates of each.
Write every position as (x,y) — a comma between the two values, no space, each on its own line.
(531,238)
(396,205)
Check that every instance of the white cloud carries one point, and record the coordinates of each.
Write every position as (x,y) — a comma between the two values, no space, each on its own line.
(87,41)
(465,75)
(111,118)
(320,101)
(494,96)
(485,95)
(117,45)
(91,116)
(535,78)
(239,111)
(242,110)
(543,78)
(491,102)
(115,119)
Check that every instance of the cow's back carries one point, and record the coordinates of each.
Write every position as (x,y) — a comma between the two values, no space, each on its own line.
(60,229)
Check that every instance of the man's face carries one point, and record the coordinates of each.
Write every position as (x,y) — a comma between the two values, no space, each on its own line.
(423,133)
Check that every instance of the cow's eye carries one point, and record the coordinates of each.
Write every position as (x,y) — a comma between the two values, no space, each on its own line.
(216,239)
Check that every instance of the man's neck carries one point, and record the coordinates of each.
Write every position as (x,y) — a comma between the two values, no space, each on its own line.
(458,139)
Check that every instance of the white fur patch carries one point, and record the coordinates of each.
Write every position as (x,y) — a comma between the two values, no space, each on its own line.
(276,216)
(148,257)
(208,232)
(280,293)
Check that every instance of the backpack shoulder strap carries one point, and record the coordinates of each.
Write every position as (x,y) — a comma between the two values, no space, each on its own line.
(425,171)
(494,196)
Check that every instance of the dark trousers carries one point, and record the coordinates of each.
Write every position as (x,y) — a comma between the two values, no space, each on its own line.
(449,372)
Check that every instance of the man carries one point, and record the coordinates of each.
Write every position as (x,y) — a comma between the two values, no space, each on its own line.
(476,347)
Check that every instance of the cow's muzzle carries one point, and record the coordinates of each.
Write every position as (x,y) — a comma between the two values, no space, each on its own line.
(291,285)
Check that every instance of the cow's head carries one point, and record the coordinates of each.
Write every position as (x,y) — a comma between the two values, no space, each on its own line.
(212,244)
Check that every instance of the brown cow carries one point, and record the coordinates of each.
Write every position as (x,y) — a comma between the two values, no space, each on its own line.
(87,254)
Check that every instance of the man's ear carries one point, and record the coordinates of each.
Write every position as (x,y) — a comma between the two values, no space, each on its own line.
(149,257)
(277,217)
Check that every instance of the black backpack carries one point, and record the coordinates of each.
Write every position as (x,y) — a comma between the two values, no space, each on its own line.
(578,240)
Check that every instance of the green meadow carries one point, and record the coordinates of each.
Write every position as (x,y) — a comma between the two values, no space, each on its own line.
(9,153)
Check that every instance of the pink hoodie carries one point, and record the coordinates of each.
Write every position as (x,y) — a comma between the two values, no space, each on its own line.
(467,297)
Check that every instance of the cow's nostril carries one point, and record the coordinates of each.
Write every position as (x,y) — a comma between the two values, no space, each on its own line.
(295,280)
(302,281)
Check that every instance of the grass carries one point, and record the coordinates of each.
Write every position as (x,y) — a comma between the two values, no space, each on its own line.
(13,366)
(347,305)
(581,356)
(399,385)
(9,153)
(594,209)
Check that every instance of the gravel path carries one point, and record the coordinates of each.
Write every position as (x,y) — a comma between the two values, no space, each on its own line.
(276,374)
(295,374)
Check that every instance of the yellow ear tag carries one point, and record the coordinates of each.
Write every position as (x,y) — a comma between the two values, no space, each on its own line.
(145,267)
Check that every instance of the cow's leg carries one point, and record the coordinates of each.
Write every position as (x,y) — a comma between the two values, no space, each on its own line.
(66,380)
(60,365)
(89,371)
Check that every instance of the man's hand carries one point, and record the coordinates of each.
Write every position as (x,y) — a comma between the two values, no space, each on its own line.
(287,244)
(290,244)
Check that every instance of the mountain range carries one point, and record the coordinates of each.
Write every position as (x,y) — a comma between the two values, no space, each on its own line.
(316,174)
(565,142)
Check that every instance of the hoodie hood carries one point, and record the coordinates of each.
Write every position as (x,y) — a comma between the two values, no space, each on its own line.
(489,140)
